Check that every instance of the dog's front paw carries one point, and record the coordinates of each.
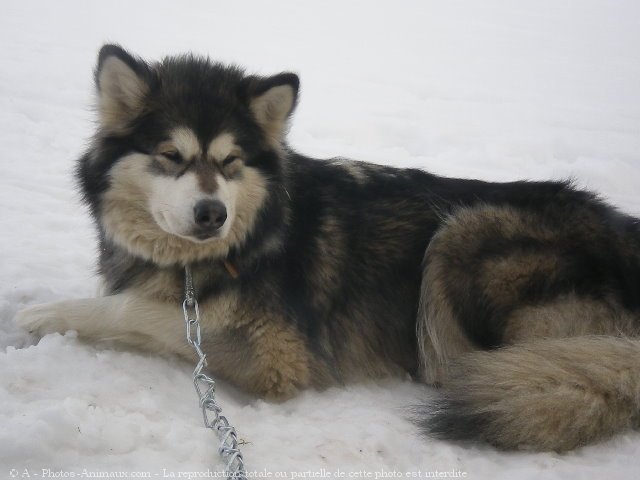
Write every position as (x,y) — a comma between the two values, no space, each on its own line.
(277,389)
(41,319)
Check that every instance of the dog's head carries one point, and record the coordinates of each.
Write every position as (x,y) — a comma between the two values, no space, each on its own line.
(186,153)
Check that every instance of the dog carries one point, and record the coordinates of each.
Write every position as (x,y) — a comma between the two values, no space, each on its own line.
(520,301)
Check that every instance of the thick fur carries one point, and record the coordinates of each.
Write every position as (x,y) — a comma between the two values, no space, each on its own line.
(522,300)
(553,394)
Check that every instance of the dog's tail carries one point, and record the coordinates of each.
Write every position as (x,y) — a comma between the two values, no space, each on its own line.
(554,394)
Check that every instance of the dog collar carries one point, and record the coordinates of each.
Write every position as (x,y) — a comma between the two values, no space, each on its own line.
(231,268)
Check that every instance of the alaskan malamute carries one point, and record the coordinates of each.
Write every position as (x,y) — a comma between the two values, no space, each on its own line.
(520,300)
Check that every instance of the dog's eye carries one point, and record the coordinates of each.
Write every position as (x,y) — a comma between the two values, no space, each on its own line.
(229,160)
(173,155)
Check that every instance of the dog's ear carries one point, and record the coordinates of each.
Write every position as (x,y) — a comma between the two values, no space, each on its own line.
(122,82)
(272,100)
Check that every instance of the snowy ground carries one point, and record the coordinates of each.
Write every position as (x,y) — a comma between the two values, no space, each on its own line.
(498,90)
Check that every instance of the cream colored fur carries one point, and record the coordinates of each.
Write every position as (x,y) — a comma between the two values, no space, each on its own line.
(129,222)
(440,337)
(272,362)
(552,394)
(120,94)
(271,110)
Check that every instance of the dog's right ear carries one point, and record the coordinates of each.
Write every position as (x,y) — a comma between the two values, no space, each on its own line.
(122,82)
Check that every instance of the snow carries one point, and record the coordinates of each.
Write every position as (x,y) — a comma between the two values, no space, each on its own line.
(497,90)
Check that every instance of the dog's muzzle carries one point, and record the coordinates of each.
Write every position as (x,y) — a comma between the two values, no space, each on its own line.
(208,216)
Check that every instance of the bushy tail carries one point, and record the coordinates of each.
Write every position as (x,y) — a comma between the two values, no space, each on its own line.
(554,394)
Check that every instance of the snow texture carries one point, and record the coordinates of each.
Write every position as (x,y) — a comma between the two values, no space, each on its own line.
(497,90)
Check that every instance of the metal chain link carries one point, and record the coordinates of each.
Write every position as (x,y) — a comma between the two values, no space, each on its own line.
(205,387)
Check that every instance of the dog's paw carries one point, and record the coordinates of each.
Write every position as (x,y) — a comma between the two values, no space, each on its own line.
(279,390)
(41,319)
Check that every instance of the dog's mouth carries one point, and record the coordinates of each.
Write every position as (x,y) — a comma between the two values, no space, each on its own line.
(200,236)
(195,233)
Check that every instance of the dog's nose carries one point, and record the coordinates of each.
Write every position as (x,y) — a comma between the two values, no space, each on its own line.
(209,214)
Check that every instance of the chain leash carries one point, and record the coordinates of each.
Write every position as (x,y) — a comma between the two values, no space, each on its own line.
(206,388)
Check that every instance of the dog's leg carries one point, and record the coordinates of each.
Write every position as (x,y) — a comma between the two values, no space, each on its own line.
(124,318)
(282,361)
(265,355)
(551,290)
(441,338)
(490,274)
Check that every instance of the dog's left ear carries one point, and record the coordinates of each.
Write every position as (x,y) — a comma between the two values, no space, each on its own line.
(272,100)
